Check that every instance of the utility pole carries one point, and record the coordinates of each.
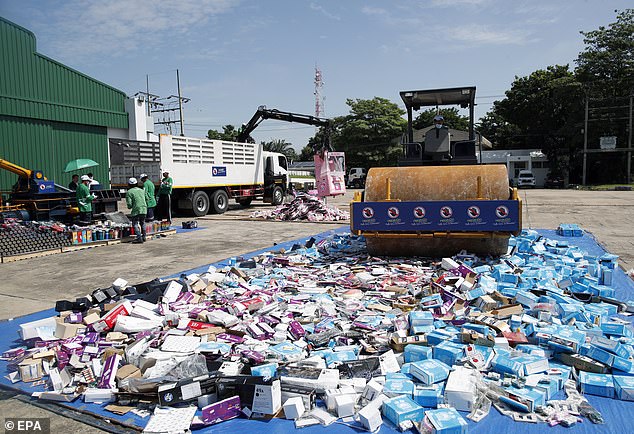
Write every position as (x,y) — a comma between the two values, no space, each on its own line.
(585,142)
(180,103)
(629,141)
(147,90)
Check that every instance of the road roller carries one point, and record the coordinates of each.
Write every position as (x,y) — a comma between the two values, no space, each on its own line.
(439,200)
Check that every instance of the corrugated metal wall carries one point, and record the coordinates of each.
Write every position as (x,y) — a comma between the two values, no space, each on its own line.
(48,146)
(36,86)
(50,113)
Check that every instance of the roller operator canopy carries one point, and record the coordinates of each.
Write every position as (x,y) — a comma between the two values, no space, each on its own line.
(462,96)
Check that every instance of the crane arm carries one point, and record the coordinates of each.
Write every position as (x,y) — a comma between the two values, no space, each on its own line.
(18,170)
(263,113)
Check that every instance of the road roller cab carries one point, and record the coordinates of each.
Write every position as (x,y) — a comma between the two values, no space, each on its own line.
(439,201)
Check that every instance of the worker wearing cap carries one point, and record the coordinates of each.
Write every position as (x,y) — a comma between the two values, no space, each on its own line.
(150,199)
(84,200)
(439,122)
(135,199)
(164,206)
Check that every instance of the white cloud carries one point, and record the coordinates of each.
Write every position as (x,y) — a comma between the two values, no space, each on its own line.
(319,8)
(390,19)
(453,3)
(113,27)
(476,34)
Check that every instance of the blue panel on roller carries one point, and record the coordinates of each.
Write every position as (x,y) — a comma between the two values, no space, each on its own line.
(428,216)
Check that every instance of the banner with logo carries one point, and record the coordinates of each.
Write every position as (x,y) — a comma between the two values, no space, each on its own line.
(463,215)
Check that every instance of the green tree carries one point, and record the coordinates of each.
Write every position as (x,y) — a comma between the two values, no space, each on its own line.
(541,110)
(607,61)
(606,69)
(229,133)
(367,135)
(281,146)
(453,119)
(306,154)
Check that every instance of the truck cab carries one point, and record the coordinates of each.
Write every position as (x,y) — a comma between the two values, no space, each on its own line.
(356,177)
(276,178)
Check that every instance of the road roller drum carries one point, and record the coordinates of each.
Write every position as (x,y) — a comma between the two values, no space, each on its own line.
(468,191)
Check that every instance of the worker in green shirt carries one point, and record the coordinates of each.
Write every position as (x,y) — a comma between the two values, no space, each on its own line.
(135,199)
(84,200)
(164,206)
(150,199)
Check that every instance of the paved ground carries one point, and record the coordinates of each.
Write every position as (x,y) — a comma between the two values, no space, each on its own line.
(35,284)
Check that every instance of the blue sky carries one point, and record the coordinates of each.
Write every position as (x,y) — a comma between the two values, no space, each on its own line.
(234,55)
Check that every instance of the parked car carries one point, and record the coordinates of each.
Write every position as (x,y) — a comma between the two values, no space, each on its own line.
(525,179)
(554,181)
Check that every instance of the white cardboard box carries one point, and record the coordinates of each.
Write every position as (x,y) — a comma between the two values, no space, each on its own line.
(370,417)
(460,391)
(294,408)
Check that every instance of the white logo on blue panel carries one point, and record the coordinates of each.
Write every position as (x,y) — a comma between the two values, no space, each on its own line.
(393,212)
(446,212)
(502,211)
(473,212)
(419,212)
(368,212)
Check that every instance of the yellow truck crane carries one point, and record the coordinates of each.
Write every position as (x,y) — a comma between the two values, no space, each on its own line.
(439,200)
(45,200)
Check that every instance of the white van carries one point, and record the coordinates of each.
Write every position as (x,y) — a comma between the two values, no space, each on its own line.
(525,179)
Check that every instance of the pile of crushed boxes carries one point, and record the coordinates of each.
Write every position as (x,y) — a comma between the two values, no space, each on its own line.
(304,207)
(323,333)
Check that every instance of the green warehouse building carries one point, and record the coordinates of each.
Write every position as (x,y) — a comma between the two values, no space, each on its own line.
(50,113)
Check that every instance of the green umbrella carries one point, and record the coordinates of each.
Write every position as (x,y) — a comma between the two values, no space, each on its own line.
(80,163)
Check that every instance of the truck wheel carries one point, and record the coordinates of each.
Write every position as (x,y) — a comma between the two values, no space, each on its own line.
(219,202)
(245,202)
(200,203)
(278,196)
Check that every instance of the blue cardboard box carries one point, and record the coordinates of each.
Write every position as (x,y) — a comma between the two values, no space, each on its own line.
(600,355)
(429,396)
(449,352)
(430,302)
(611,345)
(446,421)
(622,364)
(421,318)
(402,408)
(624,387)
(438,336)
(524,399)
(339,356)
(430,371)
(267,370)
(616,329)
(398,387)
(507,364)
(596,384)
(414,353)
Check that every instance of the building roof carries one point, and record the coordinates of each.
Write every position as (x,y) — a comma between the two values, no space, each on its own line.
(38,87)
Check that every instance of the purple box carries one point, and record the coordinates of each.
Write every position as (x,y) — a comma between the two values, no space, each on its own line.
(222,410)
(253,356)
(296,330)
(230,338)
(74,318)
(256,332)
(108,380)
(90,338)
(10,354)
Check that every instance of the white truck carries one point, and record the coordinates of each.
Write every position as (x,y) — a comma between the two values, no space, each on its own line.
(356,177)
(206,173)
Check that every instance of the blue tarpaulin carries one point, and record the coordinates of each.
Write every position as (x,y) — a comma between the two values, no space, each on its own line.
(618,415)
